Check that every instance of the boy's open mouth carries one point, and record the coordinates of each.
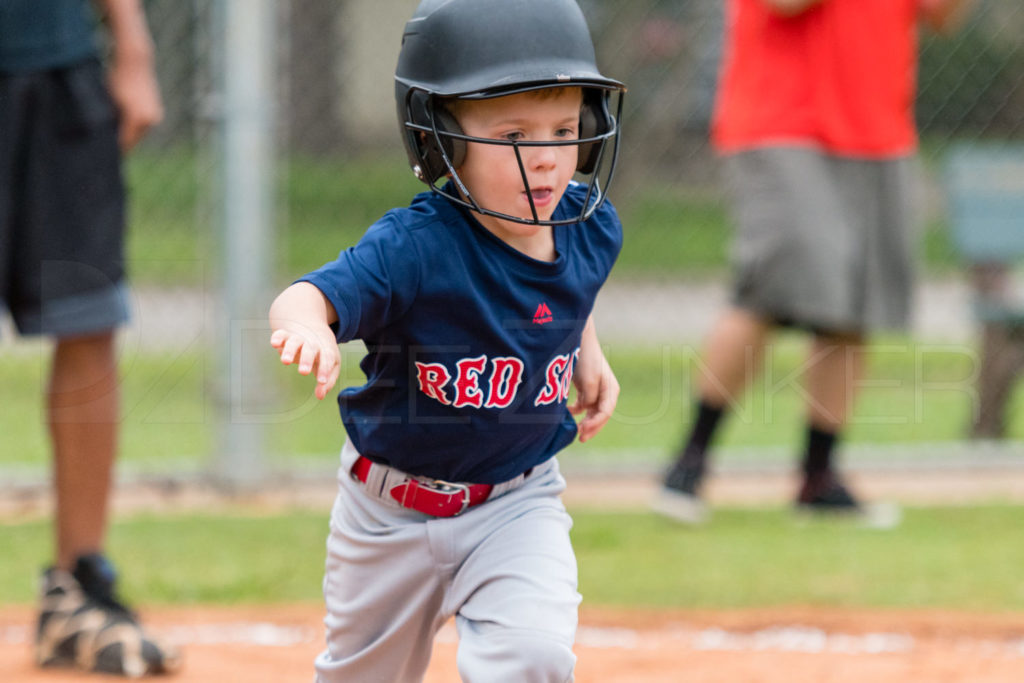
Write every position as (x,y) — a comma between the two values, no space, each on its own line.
(541,195)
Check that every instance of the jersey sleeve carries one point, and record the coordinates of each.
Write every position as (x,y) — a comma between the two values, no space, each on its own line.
(611,235)
(599,238)
(372,283)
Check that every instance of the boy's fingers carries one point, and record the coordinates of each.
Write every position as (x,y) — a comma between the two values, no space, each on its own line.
(332,377)
(328,368)
(307,359)
(600,412)
(586,430)
(291,347)
(607,401)
(577,407)
(278,338)
(327,375)
(324,384)
(592,424)
(583,400)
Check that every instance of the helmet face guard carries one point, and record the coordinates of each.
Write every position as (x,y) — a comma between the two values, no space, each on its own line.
(450,50)
(443,148)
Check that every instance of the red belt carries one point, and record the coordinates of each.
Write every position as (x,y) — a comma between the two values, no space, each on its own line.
(430,496)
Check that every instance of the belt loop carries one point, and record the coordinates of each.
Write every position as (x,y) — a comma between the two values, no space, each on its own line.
(377,479)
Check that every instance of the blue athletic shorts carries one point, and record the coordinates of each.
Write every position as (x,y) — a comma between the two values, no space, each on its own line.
(61,203)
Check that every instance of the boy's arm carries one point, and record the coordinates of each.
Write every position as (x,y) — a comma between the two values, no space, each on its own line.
(132,80)
(300,320)
(945,16)
(597,390)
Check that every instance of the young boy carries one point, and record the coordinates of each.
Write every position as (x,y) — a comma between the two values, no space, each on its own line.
(474,304)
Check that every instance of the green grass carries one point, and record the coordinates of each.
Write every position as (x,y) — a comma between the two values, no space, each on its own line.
(961,558)
(669,233)
(916,394)
(190,558)
(952,558)
(164,412)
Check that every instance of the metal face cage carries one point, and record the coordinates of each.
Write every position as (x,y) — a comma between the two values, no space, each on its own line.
(597,180)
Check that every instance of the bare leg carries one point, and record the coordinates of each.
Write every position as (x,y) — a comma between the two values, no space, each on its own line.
(733,357)
(1002,359)
(833,377)
(834,373)
(83,403)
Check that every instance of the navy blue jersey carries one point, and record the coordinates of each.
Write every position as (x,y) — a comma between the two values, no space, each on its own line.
(471,343)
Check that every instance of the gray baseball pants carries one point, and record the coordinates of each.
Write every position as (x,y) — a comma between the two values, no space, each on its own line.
(505,569)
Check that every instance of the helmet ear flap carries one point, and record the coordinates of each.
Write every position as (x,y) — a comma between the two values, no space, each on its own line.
(595,120)
(455,148)
(424,113)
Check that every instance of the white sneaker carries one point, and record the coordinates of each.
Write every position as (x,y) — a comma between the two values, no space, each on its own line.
(882,515)
(680,507)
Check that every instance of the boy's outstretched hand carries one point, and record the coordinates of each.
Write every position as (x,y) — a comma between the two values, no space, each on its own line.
(311,353)
(597,390)
(300,318)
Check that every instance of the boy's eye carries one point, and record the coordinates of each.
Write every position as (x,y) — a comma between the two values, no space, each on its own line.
(513,136)
(566,132)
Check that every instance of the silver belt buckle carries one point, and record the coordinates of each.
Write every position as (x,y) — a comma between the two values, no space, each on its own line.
(449,487)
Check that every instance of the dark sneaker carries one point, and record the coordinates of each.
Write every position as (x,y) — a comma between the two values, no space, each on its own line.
(83,625)
(826,495)
(679,496)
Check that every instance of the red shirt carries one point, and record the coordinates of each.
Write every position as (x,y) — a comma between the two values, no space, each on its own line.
(841,76)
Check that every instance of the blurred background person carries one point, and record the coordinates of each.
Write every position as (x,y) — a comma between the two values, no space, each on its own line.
(814,118)
(65,122)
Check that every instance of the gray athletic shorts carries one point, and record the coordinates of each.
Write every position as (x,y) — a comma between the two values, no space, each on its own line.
(824,243)
(61,203)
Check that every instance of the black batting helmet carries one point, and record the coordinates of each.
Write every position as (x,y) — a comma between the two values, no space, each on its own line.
(478,49)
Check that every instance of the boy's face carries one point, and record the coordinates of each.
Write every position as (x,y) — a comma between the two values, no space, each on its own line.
(491,172)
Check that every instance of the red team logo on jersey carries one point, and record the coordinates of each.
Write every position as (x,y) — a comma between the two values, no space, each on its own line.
(471,387)
(558,379)
(483,382)
(543,315)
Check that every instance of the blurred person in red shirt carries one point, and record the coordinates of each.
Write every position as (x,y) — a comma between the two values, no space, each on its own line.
(814,118)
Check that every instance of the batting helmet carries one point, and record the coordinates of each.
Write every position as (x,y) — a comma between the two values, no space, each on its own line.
(478,49)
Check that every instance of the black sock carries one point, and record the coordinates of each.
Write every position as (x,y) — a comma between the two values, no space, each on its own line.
(705,422)
(818,454)
(687,471)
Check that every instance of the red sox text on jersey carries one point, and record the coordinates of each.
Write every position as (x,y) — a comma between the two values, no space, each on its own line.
(481,382)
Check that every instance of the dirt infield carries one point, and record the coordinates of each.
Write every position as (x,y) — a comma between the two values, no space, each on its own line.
(792,645)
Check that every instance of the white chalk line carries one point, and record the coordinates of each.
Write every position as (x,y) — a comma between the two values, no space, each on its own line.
(794,638)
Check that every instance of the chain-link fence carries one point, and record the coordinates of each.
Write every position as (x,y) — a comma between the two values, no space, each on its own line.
(334,121)
(339,164)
